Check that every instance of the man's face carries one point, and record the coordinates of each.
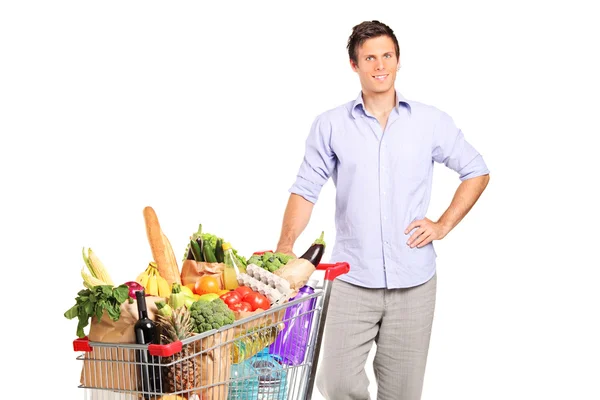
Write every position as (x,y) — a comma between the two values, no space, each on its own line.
(377,65)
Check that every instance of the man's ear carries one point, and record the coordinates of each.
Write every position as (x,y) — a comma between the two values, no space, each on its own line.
(353,66)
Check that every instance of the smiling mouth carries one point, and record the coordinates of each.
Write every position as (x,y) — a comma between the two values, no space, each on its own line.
(380,77)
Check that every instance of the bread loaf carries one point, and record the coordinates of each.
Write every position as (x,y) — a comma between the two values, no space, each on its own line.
(162,252)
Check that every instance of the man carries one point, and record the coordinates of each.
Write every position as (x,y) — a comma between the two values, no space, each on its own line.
(380,150)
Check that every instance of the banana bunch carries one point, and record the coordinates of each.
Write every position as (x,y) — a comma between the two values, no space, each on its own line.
(153,283)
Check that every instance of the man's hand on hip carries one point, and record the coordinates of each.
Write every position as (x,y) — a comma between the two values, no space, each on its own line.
(427,231)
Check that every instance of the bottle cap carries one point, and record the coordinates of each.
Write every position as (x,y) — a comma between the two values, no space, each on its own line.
(312,283)
(226,246)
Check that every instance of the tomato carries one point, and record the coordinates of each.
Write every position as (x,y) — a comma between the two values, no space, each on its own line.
(207,284)
(257,300)
(231,298)
(241,306)
(243,290)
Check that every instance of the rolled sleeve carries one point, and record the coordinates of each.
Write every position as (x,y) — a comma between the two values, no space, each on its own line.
(319,161)
(452,149)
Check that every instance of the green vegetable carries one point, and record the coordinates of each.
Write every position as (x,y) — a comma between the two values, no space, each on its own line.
(209,253)
(93,302)
(240,258)
(214,251)
(196,252)
(163,308)
(284,258)
(188,250)
(267,255)
(256,260)
(219,253)
(320,239)
(210,239)
(177,297)
(188,302)
(270,261)
(272,264)
(207,315)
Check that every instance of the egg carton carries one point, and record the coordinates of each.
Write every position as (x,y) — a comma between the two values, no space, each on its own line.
(274,287)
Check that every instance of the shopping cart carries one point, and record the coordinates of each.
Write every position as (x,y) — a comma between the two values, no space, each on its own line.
(231,363)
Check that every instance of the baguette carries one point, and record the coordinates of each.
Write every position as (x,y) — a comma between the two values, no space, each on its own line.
(162,252)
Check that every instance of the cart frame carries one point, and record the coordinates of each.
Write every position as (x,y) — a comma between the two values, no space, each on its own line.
(159,352)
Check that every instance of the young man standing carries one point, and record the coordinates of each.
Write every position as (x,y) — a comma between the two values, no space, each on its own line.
(380,150)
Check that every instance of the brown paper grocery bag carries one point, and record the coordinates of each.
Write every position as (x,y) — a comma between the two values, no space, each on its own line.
(297,272)
(112,367)
(215,364)
(191,270)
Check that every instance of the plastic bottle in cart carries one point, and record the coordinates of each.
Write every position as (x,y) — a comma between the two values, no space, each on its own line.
(254,341)
(292,342)
(233,267)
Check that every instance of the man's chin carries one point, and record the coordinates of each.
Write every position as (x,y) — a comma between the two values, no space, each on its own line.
(378,89)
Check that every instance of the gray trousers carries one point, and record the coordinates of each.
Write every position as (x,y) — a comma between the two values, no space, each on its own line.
(398,320)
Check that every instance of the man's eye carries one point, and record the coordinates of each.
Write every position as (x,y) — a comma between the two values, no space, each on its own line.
(387,56)
(369,58)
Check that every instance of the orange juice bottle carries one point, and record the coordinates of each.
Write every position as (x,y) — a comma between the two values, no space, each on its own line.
(233,268)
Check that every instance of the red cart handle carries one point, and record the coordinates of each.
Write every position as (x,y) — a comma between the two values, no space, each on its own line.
(163,350)
(332,271)
(82,344)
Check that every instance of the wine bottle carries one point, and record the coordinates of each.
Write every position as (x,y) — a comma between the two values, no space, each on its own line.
(146,332)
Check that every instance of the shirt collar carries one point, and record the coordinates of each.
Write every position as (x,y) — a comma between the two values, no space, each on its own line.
(359,103)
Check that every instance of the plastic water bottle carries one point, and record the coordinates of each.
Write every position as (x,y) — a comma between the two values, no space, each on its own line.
(291,344)
(249,345)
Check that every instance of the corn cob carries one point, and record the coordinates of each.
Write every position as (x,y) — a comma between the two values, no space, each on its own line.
(90,281)
(97,269)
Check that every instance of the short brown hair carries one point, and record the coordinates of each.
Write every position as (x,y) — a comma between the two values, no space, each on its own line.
(368,30)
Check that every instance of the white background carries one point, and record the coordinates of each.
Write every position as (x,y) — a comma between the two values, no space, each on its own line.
(201,111)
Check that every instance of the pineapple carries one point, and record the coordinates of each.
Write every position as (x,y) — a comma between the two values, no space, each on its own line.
(184,373)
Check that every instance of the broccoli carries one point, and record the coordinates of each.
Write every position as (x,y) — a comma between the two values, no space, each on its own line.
(284,258)
(267,256)
(210,239)
(272,265)
(207,315)
(256,260)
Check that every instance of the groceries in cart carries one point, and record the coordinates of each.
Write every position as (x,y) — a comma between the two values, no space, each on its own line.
(221,327)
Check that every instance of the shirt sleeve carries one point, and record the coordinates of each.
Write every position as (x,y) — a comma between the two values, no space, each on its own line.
(451,148)
(319,161)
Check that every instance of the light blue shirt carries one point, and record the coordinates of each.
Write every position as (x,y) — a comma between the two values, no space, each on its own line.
(383,183)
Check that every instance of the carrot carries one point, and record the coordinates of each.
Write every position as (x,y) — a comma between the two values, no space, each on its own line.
(162,252)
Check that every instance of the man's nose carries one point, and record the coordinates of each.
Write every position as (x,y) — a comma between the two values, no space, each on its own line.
(379,64)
